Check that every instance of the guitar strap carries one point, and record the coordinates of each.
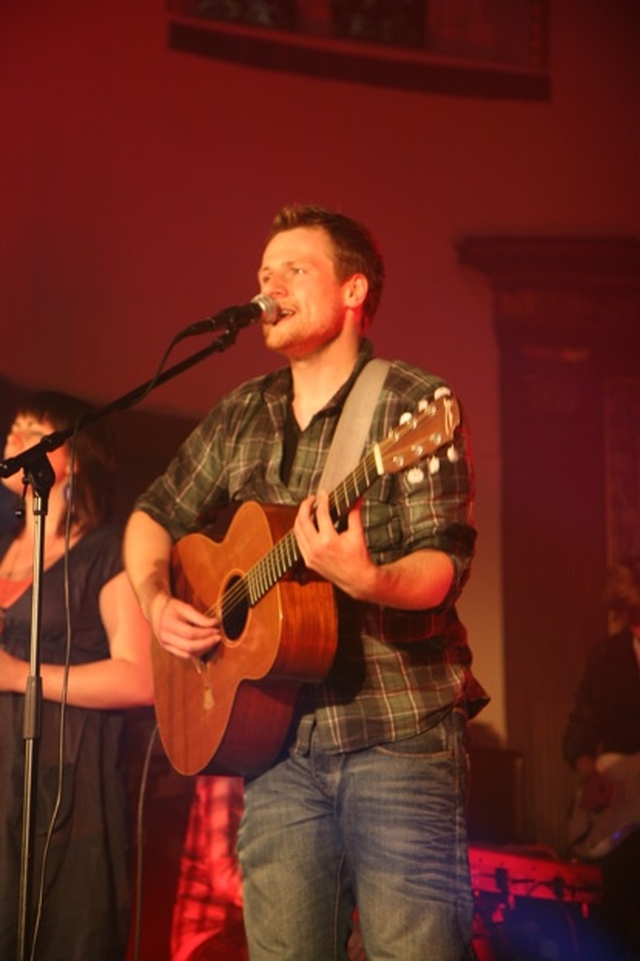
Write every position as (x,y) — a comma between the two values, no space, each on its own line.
(353,426)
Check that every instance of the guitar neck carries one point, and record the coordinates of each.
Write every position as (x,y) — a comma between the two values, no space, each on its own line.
(285,553)
(417,436)
(355,484)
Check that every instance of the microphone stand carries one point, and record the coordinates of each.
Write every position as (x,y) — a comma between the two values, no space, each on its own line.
(40,475)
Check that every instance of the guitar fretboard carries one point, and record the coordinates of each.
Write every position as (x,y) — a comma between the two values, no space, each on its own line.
(285,554)
(416,436)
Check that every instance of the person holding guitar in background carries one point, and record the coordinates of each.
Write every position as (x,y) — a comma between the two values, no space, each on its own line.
(364,802)
(602,745)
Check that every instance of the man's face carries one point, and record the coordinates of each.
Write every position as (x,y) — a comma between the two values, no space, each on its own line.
(298,271)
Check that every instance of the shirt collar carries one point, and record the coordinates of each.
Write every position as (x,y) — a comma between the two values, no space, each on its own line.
(279,385)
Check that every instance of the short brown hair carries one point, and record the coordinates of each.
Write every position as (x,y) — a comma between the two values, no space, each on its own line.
(355,249)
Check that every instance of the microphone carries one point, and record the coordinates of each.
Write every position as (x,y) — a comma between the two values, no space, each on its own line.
(262,307)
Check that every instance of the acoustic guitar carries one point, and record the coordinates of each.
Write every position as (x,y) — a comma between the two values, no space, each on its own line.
(230,712)
(593,834)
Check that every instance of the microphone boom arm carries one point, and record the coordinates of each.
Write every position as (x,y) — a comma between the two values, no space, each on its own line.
(225,318)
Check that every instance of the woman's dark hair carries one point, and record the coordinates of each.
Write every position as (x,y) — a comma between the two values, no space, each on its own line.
(92,449)
(355,250)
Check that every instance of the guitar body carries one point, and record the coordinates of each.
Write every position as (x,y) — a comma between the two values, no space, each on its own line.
(593,834)
(230,713)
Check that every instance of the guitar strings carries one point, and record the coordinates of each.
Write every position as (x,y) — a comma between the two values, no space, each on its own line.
(258,580)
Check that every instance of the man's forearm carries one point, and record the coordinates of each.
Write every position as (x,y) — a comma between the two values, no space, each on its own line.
(147,552)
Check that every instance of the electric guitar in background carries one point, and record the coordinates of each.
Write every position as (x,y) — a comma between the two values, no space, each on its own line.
(230,712)
(592,834)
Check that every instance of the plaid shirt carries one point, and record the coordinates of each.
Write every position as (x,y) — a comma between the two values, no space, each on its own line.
(208,904)
(395,671)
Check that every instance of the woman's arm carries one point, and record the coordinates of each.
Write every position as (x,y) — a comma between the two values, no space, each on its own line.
(123,680)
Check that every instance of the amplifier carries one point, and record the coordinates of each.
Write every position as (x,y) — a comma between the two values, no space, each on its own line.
(531,872)
(531,906)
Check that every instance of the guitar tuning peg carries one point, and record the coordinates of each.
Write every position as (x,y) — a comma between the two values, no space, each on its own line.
(427,406)
(441,392)
(406,417)
(415,475)
(452,454)
(434,465)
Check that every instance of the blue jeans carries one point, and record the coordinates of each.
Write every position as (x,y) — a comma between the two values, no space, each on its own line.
(382,828)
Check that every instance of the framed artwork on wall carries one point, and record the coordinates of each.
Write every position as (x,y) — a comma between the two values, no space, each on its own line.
(467,47)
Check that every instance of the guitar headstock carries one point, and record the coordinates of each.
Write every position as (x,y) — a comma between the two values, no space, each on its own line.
(419,434)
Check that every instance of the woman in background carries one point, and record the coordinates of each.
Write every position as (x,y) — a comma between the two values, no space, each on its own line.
(93,620)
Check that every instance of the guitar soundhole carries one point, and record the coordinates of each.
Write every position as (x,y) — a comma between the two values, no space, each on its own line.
(234,608)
